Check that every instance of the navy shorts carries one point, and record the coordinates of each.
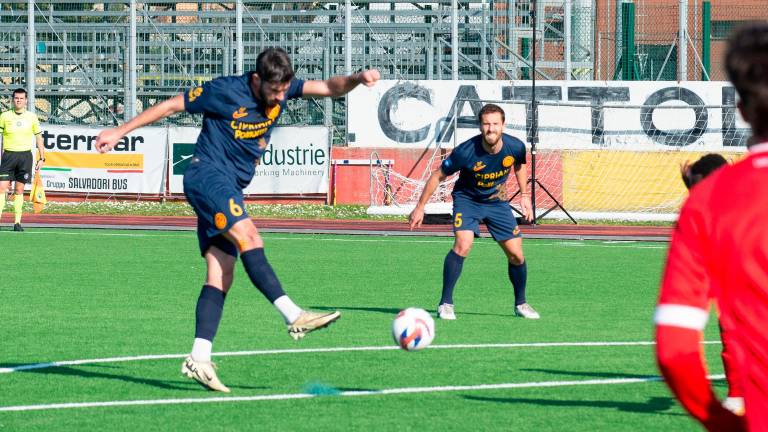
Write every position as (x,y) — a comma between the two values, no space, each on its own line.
(218,203)
(497,216)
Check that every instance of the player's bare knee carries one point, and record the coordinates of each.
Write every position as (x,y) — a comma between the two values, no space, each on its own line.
(462,249)
(516,258)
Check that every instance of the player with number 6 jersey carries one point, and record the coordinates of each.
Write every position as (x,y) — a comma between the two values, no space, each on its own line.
(239,113)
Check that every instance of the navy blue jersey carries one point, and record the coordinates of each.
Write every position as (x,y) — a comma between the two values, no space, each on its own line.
(483,176)
(234,122)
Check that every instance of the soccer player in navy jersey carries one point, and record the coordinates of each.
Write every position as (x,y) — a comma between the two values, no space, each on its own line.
(480,195)
(239,113)
(719,250)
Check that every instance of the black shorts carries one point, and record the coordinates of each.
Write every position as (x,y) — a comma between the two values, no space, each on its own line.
(16,166)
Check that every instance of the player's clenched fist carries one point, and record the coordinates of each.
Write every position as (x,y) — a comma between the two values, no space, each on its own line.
(107,140)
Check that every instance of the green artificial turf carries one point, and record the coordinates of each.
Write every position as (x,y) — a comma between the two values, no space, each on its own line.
(94,294)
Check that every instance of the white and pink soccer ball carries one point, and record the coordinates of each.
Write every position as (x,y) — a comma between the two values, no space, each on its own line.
(413,329)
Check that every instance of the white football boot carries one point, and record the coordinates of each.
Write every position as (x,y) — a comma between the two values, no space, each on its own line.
(445,311)
(311,321)
(204,373)
(526,311)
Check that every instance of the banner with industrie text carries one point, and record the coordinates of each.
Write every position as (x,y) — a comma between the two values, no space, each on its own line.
(296,161)
(135,166)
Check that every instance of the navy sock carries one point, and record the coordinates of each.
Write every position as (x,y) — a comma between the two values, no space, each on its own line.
(451,272)
(261,274)
(518,275)
(210,304)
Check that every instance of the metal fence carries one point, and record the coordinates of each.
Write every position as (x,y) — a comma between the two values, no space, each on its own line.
(101,62)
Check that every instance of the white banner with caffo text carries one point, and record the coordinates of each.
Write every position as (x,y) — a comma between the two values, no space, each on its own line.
(295,162)
(588,115)
(135,166)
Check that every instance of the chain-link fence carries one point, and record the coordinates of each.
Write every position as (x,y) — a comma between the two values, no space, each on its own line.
(642,39)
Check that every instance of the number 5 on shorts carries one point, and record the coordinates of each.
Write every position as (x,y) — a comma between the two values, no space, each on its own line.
(457,220)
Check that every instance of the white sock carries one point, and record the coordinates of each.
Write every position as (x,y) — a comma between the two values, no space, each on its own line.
(201,350)
(287,308)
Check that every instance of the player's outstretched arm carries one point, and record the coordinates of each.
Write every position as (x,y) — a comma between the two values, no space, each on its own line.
(108,138)
(340,85)
(417,215)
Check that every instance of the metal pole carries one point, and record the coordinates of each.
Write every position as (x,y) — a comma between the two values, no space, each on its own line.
(31,54)
(511,41)
(454,39)
(348,37)
(628,41)
(706,39)
(534,110)
(568,6)
(618,47)
(682,44)
(239,53)
(130,99)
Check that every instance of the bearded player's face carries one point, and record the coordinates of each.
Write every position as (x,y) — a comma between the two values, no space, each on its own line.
(273,93)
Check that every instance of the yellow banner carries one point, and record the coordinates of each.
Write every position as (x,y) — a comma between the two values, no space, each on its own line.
(108,161)
(626,181)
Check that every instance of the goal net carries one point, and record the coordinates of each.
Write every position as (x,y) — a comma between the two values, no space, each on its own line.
(613,162)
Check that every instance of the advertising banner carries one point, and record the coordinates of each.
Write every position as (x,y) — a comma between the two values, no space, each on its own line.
(72,164)
(295,162)
(589,115)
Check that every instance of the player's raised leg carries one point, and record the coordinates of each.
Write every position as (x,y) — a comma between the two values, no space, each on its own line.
(251,246)
(210,305)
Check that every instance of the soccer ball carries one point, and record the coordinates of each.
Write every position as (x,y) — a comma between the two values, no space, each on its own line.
(413,329)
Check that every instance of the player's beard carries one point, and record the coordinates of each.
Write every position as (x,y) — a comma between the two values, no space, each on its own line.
(487,138)
(263,96)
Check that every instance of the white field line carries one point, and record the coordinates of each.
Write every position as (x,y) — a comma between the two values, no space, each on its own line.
(361,239)
(32,366)
(390,391)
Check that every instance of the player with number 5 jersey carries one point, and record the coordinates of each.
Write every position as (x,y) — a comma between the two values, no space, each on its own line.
(239,113)
(480,195)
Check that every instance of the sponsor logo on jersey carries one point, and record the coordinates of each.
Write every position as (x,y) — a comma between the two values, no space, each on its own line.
(240,113)
(478,166)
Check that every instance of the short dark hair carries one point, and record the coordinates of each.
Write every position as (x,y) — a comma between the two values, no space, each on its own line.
(489,109)
(703,167)
(273,65)
(19,91)
(746,62)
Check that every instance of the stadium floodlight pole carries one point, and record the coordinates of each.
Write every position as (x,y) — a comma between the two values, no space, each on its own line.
(534,110)
(31,54)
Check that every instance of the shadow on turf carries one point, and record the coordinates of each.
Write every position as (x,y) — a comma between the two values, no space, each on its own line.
(587,374)
(186,385)
(655,405)
(394,311)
